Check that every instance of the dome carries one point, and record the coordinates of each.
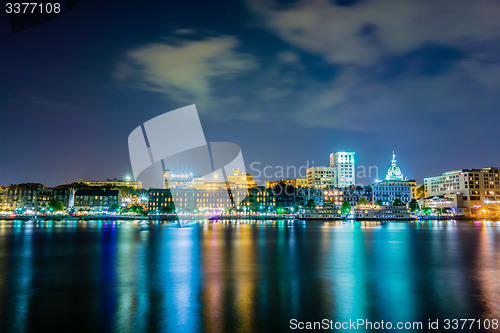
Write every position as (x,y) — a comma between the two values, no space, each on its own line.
(394,172)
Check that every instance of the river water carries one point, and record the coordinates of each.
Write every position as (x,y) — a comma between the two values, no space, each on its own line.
(245,276)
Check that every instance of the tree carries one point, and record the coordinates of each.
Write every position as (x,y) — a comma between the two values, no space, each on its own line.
(346,207)
(379,203)
(311,203)
(421,192)
(55,205)
(413,205)
(167,210)
(397,202)
(442,211)
(113,208)
(363,201)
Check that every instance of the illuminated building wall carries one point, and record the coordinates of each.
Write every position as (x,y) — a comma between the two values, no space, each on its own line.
(96,199)
(113,183)
(23,196)
(187,180)
(302,182)
(343,163)
(479,187)
(388,191)
(394,186)
(321,177)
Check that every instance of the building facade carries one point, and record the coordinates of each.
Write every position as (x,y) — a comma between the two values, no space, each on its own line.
(96,200)
(394,186)
(136,185)
(321,177)
(24,196)
(388,191)
(344,164)
(478,187)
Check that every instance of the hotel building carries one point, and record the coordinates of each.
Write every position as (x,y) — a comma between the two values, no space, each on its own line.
(474,188)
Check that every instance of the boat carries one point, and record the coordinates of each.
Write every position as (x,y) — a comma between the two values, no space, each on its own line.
(321,214)
(382,213)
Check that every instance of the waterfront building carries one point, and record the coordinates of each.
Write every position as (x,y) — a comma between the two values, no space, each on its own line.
(285,195)
(32,197)
(333,197)
(3,198)
(353,194)
(23,196)
(394,186)
(113,183)
(191,200)
(454,202)
(321,177)
(160,200)
(305,194)
(187,180)
(259,199)
(64,194)
(96,199)
(344,165)
(478,187)
(295,182)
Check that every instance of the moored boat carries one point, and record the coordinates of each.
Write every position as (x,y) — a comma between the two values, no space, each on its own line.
(376,212)
(321,214)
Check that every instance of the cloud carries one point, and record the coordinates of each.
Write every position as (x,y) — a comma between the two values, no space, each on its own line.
(366,31)
(350,65)
(184,70)
(288,57)
(426,62)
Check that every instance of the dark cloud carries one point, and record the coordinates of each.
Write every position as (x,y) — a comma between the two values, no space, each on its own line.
(345,3)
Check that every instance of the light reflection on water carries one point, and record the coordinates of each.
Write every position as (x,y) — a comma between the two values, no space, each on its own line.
(242,276)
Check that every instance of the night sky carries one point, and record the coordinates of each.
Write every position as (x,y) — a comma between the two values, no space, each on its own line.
(288,81)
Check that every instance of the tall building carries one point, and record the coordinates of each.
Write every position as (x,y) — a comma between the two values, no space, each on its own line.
(475,187)
(344,165)
(394,186)
(321,177)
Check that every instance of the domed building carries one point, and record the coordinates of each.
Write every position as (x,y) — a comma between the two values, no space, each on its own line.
(394,186)
(394,172)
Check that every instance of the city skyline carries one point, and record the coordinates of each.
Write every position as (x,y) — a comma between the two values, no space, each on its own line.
(280,172)
(283,97)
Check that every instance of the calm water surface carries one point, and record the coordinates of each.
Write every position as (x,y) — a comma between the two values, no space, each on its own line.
(105,276)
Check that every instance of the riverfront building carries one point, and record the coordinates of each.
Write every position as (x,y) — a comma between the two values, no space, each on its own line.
(29,196)
(469,189)
(113,183)
(94,200)
(394,186)
(214,181)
